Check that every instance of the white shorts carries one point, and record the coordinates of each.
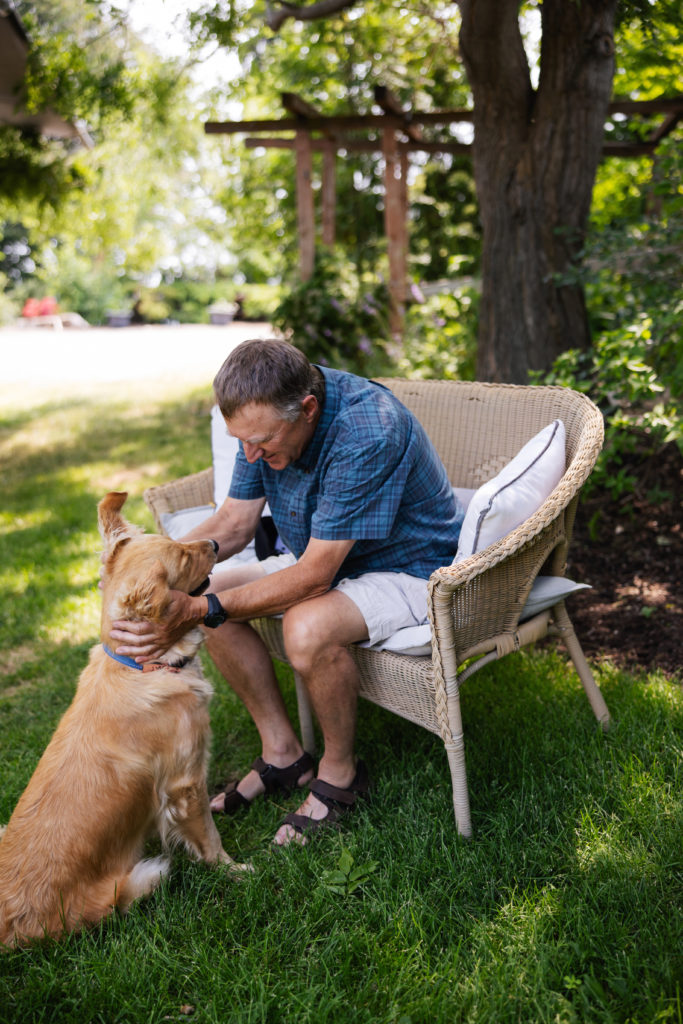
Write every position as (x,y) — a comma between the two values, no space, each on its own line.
(388,601)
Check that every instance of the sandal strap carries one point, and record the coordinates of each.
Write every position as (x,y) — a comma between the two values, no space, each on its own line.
(284,779)
(304,825)
(233,800)
(331,795)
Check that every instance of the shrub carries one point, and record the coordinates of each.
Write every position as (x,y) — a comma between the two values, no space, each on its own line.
(337,319)
(441,336)
(641,415)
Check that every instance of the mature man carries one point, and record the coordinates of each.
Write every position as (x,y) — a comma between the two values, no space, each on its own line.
(362,501)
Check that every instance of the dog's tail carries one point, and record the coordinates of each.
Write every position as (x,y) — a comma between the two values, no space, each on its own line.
(3,829)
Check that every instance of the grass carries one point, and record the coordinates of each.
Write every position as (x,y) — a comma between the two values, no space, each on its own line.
(565,907)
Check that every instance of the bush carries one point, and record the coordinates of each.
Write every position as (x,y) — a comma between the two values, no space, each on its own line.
(641,415)
(441,336)
(338,320)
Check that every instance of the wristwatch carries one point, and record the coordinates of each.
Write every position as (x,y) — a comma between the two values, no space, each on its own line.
(216,614)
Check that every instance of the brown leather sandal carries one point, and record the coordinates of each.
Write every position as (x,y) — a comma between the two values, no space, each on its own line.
(282,780)
(338,802)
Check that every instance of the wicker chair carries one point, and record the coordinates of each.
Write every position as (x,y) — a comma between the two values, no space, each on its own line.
(475,605)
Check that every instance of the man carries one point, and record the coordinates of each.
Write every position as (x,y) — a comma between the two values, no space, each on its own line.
(361,499)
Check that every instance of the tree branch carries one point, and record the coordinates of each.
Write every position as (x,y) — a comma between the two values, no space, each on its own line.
(275,18)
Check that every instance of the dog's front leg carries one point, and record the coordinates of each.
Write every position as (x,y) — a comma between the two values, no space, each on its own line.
(189,820)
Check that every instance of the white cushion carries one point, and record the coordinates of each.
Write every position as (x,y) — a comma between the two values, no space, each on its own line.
(521,487)
(545,592)
(177,524)
(464,495)
(224,449)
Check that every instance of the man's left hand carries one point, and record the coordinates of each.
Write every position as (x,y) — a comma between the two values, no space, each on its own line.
(147,641)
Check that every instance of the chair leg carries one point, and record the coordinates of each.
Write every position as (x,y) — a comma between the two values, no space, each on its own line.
(461,800)
(566,631)
(305,715)
(455,750)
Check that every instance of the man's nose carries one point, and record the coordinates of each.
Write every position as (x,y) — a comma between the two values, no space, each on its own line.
(252,452)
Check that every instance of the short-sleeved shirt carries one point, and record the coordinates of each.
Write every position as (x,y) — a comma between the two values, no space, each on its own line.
(369,474)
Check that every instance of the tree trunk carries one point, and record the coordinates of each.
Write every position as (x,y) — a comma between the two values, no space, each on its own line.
(535,158)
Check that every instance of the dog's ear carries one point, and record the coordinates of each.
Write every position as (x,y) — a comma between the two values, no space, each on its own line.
(114,529)
(145,598)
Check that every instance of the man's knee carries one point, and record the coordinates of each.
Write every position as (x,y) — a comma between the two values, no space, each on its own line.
(321,629)
(302,636)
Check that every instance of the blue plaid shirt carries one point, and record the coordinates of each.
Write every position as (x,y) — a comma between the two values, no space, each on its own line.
(369,474)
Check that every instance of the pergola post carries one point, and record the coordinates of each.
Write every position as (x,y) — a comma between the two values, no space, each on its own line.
(304,204)
(395,228)
(329,192)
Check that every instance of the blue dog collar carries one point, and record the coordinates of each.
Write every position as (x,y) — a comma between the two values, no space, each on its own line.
(122,659)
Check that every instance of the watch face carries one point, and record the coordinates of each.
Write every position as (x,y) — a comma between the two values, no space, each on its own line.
(216,615)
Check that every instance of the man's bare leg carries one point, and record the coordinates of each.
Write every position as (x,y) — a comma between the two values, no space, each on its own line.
(317,634)
(241,657)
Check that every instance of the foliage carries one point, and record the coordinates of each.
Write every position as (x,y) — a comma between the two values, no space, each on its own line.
(97,224)
(640,416)
(631,275)
(336,318)
(441,336)
(346,879)
(334,65)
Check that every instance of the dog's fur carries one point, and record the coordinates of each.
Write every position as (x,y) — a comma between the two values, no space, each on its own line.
(128,758)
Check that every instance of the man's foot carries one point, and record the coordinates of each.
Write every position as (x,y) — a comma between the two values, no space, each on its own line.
(322,808)
(263,778)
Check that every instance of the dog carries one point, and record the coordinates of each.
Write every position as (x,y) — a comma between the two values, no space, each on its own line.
(129,757)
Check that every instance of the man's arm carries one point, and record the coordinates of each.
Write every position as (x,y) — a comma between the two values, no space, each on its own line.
(312,575)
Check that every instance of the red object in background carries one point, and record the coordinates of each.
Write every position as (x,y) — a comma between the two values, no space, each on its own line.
(40,307)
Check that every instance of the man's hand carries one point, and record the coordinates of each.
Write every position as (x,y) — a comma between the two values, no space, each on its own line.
(147,641)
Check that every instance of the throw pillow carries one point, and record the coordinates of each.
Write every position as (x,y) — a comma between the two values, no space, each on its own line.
(521,487)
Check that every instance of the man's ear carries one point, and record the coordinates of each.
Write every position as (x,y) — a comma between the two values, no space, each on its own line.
(114,529)
(144,598)
(310,406)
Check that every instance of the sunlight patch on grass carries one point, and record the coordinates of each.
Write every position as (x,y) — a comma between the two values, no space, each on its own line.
(27,521)
(132,480)
(76,620)
(13,659)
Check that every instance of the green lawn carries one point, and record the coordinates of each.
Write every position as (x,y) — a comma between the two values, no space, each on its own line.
(566,905)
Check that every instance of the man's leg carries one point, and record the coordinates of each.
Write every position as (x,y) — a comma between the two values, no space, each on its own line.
(316,635)
(241,657)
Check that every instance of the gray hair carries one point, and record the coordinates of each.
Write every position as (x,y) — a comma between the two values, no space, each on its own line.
(267,372)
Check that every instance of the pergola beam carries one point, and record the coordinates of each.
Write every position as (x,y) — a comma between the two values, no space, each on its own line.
(360,122)
(398,134)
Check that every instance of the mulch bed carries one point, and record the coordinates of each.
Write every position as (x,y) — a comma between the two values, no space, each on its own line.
(631,552)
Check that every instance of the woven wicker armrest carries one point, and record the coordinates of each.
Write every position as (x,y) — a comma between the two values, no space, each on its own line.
(186,492)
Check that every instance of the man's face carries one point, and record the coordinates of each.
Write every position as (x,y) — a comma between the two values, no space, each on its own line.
(265,435)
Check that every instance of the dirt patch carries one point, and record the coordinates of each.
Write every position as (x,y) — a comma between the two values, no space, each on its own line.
(631,552)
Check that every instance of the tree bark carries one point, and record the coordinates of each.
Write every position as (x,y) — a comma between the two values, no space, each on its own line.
(535,156)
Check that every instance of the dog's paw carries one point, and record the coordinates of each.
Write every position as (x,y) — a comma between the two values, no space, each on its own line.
(232,865)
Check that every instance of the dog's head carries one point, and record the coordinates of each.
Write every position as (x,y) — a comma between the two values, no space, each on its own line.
(139,570)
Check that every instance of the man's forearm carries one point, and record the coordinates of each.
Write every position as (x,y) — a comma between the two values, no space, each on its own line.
(311,576)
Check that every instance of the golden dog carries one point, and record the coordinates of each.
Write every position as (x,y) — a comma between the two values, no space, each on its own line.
(128,758)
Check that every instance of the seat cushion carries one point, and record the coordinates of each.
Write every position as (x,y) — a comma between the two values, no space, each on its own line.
(545,592)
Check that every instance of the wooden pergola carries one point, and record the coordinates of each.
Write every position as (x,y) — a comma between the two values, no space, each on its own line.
(396,132)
